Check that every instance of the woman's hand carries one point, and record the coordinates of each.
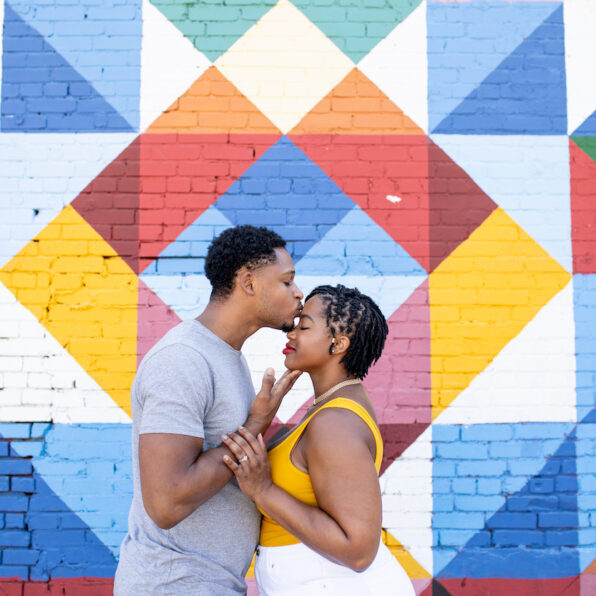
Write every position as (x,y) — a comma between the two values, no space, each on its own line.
(252,470)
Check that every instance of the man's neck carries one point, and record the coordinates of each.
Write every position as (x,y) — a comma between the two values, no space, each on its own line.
(228,321)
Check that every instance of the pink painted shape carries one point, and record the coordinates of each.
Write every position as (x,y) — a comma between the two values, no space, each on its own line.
(587,584)
(399,383)
(155,318)
(421,584)
(251,584)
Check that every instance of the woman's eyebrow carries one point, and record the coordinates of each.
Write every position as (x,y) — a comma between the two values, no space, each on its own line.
(307,317)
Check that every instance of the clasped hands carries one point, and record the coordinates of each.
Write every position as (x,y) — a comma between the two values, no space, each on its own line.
(252,469)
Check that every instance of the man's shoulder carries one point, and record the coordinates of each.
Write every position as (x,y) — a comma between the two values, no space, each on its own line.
(181,343)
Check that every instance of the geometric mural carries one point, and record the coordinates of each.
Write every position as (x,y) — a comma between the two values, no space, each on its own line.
(440,156)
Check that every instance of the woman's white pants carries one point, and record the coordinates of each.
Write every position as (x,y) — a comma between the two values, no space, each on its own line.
(296,570)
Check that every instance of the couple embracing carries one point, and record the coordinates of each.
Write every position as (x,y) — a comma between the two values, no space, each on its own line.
(208,491)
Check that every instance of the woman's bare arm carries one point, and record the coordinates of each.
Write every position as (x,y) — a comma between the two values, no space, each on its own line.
(346,526)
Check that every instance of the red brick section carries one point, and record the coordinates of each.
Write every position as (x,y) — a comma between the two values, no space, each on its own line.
(496,586)
(583,206)
(371,168)
(154,319)
(160,184)
(79,586)
(457,205)
(110,203)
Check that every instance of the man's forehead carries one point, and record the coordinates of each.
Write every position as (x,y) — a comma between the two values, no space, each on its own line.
(283,261)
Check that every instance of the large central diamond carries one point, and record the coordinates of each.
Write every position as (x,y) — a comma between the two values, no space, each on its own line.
(284,64)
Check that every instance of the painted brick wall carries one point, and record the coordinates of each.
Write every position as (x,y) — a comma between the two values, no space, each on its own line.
(439,155)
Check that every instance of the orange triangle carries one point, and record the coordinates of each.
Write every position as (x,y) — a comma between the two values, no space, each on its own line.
(591,568)
(356,106)
(213,105)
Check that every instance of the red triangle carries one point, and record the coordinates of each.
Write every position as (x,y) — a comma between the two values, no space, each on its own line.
(182,175)
(386,175)
(457,205)
(154,319)
(496,586)
(110,203)
(583,209)
(160,184)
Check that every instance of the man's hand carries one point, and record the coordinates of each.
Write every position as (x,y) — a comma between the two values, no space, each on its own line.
(268,399)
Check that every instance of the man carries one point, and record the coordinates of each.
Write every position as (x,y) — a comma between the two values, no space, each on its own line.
(191,530)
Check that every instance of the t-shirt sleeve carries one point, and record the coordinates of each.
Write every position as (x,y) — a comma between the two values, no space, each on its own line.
(175,392)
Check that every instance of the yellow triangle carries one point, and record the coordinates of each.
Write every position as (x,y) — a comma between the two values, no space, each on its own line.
(86,297)
(405,559)
(481,297)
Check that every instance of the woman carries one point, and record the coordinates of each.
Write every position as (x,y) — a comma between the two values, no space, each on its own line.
(318,486)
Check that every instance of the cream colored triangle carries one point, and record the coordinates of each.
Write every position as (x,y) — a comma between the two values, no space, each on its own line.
(398,65)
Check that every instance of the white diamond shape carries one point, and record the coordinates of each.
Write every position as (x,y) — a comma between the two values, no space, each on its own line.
(284,64)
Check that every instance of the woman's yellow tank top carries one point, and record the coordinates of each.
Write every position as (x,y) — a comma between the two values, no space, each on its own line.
(296,482)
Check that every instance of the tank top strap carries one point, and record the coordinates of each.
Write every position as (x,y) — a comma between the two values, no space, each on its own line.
(359,410)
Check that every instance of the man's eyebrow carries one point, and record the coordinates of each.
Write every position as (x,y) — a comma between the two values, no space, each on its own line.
(307,317)
(289,272)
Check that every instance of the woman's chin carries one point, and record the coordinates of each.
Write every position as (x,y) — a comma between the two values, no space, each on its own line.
(289,362)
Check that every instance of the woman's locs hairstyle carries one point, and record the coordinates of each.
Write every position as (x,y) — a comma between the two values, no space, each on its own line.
(351,313)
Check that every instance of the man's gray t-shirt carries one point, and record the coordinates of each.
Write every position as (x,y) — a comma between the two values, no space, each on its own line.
(190,383)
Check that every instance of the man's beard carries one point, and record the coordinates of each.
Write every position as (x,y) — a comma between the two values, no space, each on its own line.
(287,327)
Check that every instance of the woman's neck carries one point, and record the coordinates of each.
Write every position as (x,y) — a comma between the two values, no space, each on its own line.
(324,380)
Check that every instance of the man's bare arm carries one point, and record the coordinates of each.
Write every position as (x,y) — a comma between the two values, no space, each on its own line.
(177,476)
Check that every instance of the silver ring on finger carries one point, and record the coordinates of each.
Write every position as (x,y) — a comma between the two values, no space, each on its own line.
(243,459)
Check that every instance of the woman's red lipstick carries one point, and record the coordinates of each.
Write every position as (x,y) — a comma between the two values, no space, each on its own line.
(288,349)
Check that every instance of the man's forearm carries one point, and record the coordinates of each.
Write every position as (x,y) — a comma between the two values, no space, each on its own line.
(205,477)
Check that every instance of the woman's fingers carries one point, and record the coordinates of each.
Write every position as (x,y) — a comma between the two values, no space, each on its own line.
(250,439)
(232,444)
(231,464)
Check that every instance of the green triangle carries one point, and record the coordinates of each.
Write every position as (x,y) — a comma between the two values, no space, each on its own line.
(587,145)
(213,26)
(356,27)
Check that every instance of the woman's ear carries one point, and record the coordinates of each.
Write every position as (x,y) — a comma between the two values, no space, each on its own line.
(340,344)
(245,281)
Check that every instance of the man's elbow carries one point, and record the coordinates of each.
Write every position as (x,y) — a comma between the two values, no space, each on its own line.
(162,514)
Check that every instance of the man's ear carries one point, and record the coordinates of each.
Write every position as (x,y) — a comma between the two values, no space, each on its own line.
(245,281)
(341,344)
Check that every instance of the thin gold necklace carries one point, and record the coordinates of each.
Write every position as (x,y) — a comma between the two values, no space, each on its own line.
(327,393)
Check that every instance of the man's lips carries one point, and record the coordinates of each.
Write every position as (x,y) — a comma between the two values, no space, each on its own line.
(288,349)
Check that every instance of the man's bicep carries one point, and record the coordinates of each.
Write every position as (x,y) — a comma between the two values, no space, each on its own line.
(175,393)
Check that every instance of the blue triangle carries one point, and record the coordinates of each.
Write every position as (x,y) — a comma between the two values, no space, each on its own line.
(525,94)
(60,544)
(358,246)
(288,193)
(186,255)
(588,128)
(534,533)
(467,41)
(42,92)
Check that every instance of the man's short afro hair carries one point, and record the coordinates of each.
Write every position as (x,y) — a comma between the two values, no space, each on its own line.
(242,246)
